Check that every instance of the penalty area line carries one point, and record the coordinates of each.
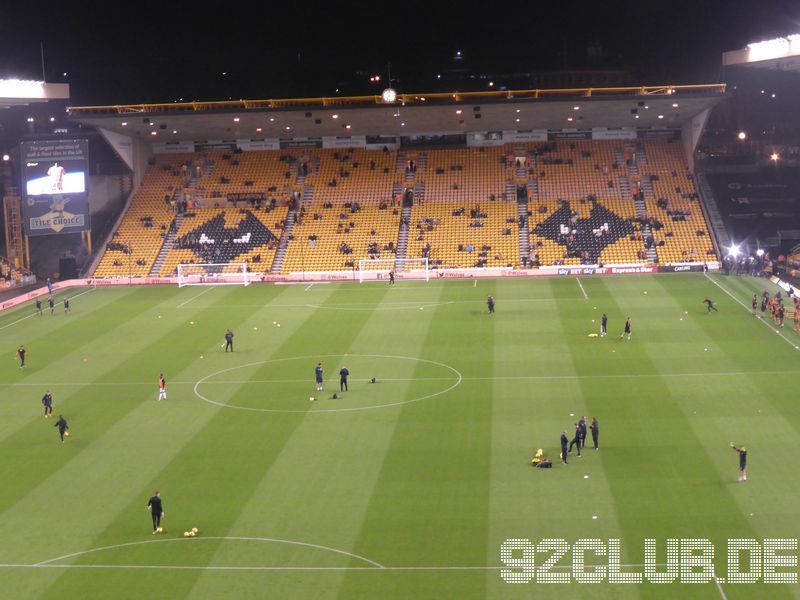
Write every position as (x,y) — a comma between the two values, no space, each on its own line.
(182,304)
(583,291)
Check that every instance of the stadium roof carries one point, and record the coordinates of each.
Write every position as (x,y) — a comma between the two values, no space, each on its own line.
(410,114)
(19,92)
(779,54)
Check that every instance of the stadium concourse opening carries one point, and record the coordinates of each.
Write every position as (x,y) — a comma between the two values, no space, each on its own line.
(545,179)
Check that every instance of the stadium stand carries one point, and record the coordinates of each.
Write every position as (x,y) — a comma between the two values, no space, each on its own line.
(225,174)
(332,236)
(454,235)
(222,235)
(679,227)
(353,214)
(138,239)
(11,275)
(586,202)
(581,213)
(465,175)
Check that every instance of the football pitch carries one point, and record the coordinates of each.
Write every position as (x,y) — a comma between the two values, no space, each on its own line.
(408,486)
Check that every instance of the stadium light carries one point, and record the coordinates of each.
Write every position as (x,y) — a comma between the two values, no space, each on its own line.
(760,252)
(774,157)
(124,123)
(742,135)
(734,251)
(6,158)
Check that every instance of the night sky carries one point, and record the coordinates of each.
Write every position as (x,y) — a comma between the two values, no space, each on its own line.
(159,52)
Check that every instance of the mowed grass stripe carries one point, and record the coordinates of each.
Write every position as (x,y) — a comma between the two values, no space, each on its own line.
(213,474)
(104,433)
(430,503)
(663,477)
(26,438)
(526,502)
(756,412)
(319,487)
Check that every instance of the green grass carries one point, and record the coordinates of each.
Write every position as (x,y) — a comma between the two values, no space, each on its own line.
(426,468)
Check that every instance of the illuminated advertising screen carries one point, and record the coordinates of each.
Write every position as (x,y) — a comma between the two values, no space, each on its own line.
(55,186)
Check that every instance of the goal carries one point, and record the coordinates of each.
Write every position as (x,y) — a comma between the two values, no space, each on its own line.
(213,274)
(404,268)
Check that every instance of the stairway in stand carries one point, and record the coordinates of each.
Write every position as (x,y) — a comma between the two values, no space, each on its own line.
(402,234)
(641,212)
(169,239)
(522,220)
(280,253)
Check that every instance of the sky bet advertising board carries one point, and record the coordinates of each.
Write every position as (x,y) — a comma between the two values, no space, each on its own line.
(56,198)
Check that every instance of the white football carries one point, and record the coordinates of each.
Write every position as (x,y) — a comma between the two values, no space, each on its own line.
(311,398)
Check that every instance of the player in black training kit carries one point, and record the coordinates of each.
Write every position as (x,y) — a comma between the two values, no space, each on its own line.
(710,304)
(490,304)
(595,428)
(603,325)
(66,306)
(627,330)
(52,305)
(576,440)
(63,428)
(228,340)
(21,355)
(742,461)
(564,447)
(582,431)
(755,304)
(47,402)
(343,379)
(156,511)
(318,376)
(38,307)
(391,277)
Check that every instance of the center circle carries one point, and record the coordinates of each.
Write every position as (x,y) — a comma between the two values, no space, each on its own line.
(452,381)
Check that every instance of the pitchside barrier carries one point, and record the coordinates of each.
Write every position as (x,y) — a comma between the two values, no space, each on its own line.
(319,276)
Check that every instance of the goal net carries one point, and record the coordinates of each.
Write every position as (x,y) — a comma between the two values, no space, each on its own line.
(213,274)
(404,268)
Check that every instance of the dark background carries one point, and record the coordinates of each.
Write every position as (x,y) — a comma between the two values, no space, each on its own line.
(162,52)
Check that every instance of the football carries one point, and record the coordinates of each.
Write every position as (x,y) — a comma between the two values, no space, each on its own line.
(66,434)
(191,533)
(194,530)
(311,398)
(186,534)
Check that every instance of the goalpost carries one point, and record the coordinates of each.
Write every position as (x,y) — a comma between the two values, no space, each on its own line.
(372,270)
(213,274)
